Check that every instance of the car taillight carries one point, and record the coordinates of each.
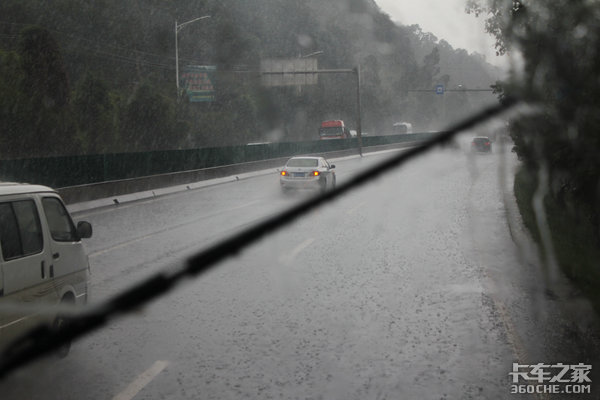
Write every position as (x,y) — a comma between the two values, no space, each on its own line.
(316,173)
(487,143)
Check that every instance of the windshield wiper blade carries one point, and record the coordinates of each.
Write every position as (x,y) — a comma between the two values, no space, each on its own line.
(44,340)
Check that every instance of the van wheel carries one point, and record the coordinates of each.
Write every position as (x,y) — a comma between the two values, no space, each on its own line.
(60,322)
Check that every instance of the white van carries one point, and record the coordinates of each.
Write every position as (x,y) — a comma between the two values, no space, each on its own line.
(42,261)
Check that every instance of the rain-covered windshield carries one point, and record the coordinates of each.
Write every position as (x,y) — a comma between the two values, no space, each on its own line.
(149,252)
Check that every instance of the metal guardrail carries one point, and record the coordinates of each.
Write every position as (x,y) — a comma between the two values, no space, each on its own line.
(89,177)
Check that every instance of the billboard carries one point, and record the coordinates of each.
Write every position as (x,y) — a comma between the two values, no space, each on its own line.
(289,72)
(199,82)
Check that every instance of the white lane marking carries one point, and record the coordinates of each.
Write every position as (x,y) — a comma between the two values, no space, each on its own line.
(141,381)
(355,209)
(141,238)
(288,258)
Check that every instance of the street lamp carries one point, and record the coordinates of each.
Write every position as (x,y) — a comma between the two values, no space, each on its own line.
(178,27)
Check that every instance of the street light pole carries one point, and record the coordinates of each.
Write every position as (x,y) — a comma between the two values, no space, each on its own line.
(178,27)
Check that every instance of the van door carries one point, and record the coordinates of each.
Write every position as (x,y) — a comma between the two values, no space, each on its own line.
(69,261)
(25,269)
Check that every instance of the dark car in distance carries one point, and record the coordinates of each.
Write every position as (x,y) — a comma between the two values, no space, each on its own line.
(481,144)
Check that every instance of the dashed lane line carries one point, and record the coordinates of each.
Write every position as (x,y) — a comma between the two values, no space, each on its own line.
(355,208)
(289,257)
(169,228)
(142,381)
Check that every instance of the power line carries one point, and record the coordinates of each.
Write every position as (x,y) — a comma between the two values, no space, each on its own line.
(113,51)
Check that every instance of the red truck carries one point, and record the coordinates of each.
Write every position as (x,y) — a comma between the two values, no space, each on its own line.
(333,130)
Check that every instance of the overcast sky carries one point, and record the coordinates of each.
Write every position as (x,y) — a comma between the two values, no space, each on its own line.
(447,20)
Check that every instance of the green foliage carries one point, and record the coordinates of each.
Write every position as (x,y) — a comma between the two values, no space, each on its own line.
(94,113)
(45,80)
(573,238)
(11,114)
(149,122)
(560,45)
(504,20)
(35,111)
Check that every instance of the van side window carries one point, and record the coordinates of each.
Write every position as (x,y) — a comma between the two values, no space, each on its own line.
(20,229)
(29,226)
(59,222)
(9,232)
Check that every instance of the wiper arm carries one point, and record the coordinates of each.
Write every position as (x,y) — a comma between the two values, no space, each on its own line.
(43,340)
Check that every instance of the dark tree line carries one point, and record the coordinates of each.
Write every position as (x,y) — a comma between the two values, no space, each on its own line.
(95,77)
(560,46)
(559,143)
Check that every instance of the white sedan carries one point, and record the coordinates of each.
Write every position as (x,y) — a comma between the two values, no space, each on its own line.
(311,173)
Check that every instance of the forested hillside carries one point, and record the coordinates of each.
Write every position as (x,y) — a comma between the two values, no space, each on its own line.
(80,77)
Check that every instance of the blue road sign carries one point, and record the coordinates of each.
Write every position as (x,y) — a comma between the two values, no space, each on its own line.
(439,89)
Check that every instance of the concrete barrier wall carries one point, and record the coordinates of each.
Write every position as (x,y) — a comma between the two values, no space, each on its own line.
(99,190)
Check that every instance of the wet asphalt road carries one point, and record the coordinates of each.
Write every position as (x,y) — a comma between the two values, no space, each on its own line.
(421,285)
